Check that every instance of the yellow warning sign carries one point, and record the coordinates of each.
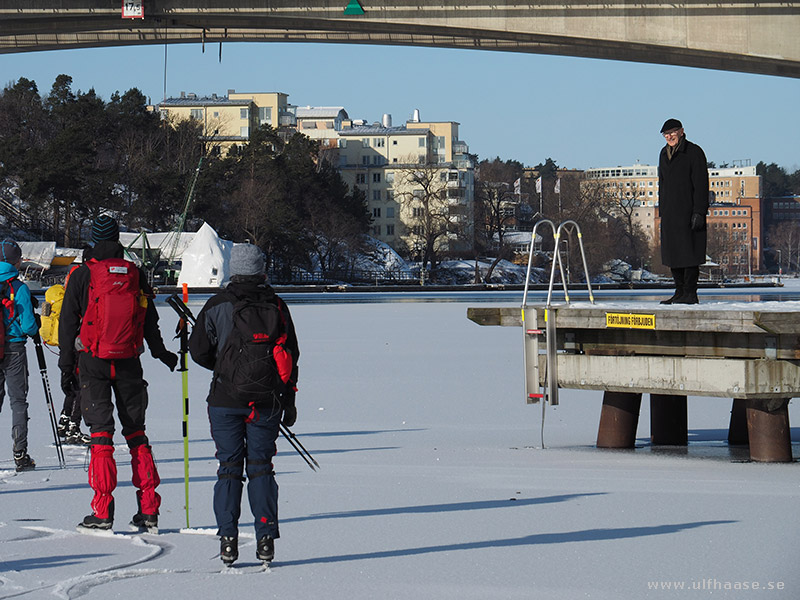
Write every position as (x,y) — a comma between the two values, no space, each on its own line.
(630,321)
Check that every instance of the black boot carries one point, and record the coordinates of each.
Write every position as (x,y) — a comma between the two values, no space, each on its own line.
(23,462)
(63,425)
(678,278)
(265,549)
(228,549)
(689,296)
(92,521)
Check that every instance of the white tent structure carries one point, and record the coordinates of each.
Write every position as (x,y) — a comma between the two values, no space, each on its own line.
(37,254)
(171,244)
(205,260)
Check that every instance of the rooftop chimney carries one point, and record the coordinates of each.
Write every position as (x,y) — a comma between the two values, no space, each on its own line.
(415,118)
(387,120)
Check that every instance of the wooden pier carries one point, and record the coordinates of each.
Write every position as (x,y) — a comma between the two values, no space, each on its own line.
(751,355)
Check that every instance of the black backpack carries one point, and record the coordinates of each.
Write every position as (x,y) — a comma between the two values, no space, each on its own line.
(246,365)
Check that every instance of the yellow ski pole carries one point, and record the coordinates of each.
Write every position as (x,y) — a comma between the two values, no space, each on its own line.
(183,331)
(185,382)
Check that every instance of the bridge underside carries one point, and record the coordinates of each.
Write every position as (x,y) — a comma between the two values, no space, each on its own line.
(640,35)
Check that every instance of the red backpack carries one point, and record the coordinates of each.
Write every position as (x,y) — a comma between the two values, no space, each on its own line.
(113,326)
(6,308)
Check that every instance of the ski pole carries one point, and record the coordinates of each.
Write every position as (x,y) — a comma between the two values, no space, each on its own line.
(37,341)
(298,446)
(183,329)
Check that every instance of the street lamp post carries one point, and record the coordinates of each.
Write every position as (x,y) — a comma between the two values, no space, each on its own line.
(420,247)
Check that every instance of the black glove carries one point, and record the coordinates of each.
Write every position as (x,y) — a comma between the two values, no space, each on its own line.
(698,222)
(289,416)
(169,359)
(69,383)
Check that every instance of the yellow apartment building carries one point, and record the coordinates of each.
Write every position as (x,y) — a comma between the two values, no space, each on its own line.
(228,120)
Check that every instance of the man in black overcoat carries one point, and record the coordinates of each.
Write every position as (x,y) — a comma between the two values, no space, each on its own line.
(682,205)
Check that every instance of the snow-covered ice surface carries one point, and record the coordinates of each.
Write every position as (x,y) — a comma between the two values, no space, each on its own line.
(433,484)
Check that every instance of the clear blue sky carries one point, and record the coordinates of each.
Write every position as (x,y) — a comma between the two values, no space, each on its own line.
(581,112)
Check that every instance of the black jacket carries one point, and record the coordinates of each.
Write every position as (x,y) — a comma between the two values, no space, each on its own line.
(76,299)
(215,322)
(682,191)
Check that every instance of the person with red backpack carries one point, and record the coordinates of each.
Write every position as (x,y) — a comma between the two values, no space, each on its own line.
(19,323)
(245,335)
(106,315)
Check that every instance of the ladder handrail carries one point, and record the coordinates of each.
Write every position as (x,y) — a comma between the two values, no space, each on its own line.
(530,261)
(557,253)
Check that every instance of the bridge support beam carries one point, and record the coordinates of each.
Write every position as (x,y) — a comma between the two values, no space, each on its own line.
(668,420)
(619,419)
(768,429)
(737,431)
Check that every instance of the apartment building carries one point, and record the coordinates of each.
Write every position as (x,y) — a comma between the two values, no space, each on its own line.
(228,120)
(734,217)
(321,123)
(781,209)
(379,158)
(396,165)
(636,188)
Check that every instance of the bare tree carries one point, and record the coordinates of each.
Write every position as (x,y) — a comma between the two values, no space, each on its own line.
(784,241)
(496,208)
(432,218)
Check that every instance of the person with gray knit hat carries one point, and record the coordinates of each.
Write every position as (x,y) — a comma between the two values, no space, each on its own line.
(19,322)
(245,335)
(247,259)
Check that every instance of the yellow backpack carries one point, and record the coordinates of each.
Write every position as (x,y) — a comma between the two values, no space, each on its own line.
(51,311)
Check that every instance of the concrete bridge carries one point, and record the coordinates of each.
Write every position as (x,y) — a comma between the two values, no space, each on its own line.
(732,35)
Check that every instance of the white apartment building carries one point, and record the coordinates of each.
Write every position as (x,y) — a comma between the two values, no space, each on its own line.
(383,160)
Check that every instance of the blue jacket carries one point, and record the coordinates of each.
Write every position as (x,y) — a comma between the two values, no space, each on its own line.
(24,322)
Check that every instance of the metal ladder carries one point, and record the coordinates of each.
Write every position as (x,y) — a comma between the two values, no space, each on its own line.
(548,393)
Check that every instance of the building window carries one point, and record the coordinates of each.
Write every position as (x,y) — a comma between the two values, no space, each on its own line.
(376,230)
(365,160)
(390,230)
(244,131)
(196,113)
(390,177)
(376,178)
(376,194)
(216,114)
(390,194)
(265,114)
(378,142)
(390,212)
(365,142)
(361,178)
(342,143)
(244,113)
(376,212)
(422,142)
